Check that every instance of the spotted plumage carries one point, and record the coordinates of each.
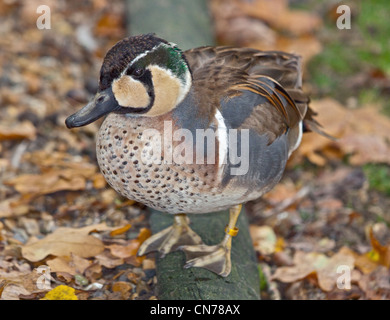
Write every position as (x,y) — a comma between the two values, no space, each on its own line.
(245,105)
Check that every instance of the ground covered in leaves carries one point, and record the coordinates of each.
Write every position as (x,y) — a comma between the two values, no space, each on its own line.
(322,233)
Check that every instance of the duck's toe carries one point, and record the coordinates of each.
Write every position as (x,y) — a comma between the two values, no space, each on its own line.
(214,258)
(171,238)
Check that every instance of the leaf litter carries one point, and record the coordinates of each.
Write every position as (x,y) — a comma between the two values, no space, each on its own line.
(56,210)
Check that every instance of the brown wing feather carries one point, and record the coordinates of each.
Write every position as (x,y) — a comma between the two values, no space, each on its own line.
(270,74)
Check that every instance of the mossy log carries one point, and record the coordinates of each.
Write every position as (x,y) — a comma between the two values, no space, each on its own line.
(175,282)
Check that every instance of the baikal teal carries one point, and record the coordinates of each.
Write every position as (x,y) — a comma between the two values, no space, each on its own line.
(146,81)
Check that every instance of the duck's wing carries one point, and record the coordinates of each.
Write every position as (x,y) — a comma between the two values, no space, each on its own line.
(259,89)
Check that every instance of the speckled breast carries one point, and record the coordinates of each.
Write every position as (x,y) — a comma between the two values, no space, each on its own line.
(130,164)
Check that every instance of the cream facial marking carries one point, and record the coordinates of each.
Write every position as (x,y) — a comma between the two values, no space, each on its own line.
(166,91)
(130,93)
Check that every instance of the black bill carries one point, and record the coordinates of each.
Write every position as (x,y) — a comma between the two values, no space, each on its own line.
(103,103)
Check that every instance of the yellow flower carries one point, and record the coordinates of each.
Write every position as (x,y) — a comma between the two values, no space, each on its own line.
(61,292)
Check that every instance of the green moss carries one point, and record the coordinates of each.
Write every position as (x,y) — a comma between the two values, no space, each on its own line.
(375,29)
(348,54)
(378,176)
(263,280)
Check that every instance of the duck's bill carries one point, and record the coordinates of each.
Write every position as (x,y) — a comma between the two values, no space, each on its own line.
(103,103)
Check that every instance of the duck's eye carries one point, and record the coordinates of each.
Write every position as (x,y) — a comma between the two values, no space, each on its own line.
(138,72)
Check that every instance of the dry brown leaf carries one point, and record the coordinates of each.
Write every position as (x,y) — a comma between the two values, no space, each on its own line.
(49,182)
(109,24)
(61,264)
(12,291)
(80,263)
(306,46)
(316,263)
(129,251)
(376,285)
(60,172)
(98,181)
(383,252)
(107,260)
(124,251)
(120,231)
(365,264)
(363,133)
(328,275)
(277,14)
(304,265)
(124,288)
(20,130)
(17,283)
(14,206)
(64,242)
(362,261)
(263,238)
(144,234)
(281,192)
(46,159)
(256,23)
(70,264)
(93,272)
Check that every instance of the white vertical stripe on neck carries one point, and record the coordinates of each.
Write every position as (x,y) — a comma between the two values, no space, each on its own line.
(222,139)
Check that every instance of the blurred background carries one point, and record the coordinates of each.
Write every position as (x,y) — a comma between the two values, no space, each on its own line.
(331,209)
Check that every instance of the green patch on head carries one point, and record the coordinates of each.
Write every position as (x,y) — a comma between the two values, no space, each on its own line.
(176,62)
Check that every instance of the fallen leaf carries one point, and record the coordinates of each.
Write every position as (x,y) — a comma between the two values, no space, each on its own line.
(46,183)
(61,264)
(304,265)
(107,260)
(80,263)
(70,264)
(124,288)
(126,251)
(329,274)
(109,24)
(98,181)
(263,238)
(376,285)
(277,14)
(16,131)
(281,192)
(365,264)
(93,272)
(326,269)
(383,252)
(129,251)
(13,291)
(120,231)
(148,264)
(64,241)
(22,282)
(364,134)
(144,234)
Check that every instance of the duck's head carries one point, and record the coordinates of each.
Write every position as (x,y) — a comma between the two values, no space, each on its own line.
(140,75)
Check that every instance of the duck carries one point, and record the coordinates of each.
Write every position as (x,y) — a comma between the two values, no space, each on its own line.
(196,131)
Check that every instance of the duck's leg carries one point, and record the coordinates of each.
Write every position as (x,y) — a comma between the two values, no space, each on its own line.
(171,238)
(214,258)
